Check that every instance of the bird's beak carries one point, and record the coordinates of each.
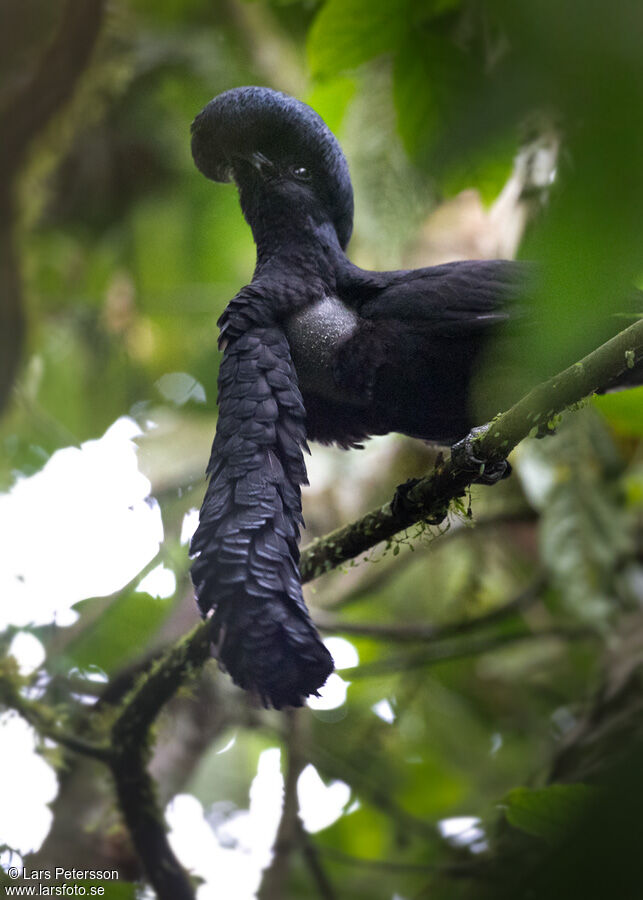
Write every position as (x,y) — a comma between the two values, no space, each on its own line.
(260,163)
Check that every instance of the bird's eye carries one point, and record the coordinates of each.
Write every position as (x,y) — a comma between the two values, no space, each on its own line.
(300,172)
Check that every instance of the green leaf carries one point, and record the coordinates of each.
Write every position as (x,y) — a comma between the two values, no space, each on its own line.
(584,531)
(122,632)
(347,33)
(487,169)
(330,98)
(550,813)
(429,75)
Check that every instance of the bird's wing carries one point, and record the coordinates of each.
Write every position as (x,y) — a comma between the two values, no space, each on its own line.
(454,299)
(247,541)
(419,338)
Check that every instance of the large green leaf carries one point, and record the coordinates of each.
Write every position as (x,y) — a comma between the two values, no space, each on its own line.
(330,98)
(550,813)
(429,78)
(347,33)
(584,537)
(121,633)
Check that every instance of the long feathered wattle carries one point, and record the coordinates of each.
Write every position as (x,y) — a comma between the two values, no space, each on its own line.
(248,535)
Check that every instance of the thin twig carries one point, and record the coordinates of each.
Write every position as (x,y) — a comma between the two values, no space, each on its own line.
(389,865)
(370,789)
(311,858)
(421,632)
(458,650)
(275,877)
(376,577)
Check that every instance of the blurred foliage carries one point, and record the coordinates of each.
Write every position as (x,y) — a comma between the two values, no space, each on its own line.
(550,813)
(128,258)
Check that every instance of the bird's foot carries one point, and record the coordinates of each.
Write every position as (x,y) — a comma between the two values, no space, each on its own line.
(463,456)
(401,503)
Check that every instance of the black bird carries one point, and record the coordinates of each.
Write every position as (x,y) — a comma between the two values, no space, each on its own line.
(314,347)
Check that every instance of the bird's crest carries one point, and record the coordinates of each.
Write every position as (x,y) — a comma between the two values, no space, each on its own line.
(249,120)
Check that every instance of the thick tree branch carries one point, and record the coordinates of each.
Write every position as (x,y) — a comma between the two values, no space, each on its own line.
(430,498)
(23,116)
(12,319)
(154,689)
(34,104)
(138,803)
(128,762)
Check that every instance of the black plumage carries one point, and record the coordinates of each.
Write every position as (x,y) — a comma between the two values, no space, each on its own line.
(248,535)
(313,347)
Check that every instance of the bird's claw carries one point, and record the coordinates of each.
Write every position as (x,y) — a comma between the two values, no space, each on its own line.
(401,503)
(463,456)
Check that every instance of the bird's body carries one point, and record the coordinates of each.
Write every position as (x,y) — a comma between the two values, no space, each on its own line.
(314,347)
(384,352)
(314,333)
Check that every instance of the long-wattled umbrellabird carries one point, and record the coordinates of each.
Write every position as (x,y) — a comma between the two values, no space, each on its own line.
(313,347)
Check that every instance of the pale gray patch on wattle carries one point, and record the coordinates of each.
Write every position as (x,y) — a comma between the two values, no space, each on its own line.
(313,334)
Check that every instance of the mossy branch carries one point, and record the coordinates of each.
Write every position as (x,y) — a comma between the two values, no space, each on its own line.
(139,806)
(128,759)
